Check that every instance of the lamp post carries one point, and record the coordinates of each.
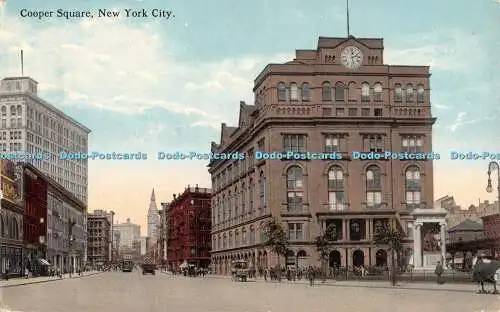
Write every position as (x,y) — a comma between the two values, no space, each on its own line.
(494,165)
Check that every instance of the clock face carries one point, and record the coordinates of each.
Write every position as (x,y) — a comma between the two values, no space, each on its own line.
(351,57)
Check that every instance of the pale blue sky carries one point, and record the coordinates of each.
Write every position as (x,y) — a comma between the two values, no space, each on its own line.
(152,84)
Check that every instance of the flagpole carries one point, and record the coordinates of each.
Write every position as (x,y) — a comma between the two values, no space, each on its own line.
(22,63)
(347,15)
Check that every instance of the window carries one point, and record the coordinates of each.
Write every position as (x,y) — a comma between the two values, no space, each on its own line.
(420,94)
(236,203)
(243,198)
(373,143)
(373,178)
(378,112)
(332,143)
(339,112)
(244,237)
(251,197)
(412,187)
(252,235)
(373,199)
(365,92)
(339,92)
(352,92)
(261,145)
(305,92)
(353,112)
(412,144)
(336,195)
(398,93)
(294,92)
(231,240)
(13,110)
(19,110)
(294,143)
(365,112)
(4,111)
(377,92)
(281,91)
(294,187)
(409,93)
(327,91)
(295,231)
(262,191)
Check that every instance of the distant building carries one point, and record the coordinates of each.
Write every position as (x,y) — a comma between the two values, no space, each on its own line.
(99,237)
(457,215)
(153,218)
(492,232)
(145,245)
(190,225)
(129,233)
(163,233)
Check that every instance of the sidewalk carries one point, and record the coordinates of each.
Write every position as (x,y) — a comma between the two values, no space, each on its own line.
(448,287)
(19,281)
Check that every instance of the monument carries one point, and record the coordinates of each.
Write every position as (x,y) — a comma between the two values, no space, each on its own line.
(429,238)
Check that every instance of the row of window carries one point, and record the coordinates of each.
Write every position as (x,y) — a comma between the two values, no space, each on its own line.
(14,123)
(14,110)
(332,143)
(296,92)
(9,227)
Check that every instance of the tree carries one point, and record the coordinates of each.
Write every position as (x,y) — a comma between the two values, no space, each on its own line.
(276,240)
(322,243)
(390,235)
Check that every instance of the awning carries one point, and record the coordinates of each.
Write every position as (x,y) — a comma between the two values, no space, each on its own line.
(44,262)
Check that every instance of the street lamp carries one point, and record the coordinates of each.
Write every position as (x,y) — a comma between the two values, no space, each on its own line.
(494,165)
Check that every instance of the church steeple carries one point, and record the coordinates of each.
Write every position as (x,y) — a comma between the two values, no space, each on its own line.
(153,199)
(153,216)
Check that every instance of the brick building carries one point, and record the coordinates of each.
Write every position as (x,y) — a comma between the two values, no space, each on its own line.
(189,232)
(339,97)
(99,238)
(491,225)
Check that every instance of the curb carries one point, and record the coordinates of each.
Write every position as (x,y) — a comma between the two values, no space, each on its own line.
(48,281)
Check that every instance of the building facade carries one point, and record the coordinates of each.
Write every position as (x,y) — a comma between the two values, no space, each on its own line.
(99,237)
(457,215)
(128,233)
(30,124)
(63,222)
(163,234)
(492,233)
(190,223)
(316,103)
(11,219)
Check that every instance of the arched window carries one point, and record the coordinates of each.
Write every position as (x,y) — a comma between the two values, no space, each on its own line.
(281,91)
(327,91)
(409,93)
(377,92)
(413,187)
(224,215)
(262,191)
(243,198)
(19,110)
(252,235)
(251,197)
(352,91)
(336,195)
(306,96)
(420,94)
(339,92)
(4,111)
(13,110)
(365,92)
(237,239)
(398,93)
(214,243)
(244,238)
(294,92)
(231,239)
(294,185)
(236,203)
(230,205)
(373,187)
(221,242)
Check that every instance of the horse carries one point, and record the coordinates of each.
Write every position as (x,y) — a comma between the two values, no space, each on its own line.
(486,271)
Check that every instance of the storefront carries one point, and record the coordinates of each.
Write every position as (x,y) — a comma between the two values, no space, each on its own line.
(11,260)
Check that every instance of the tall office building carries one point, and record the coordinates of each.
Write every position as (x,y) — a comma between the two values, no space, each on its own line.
(128,233)
(153,219)
(28,124)
(339,97)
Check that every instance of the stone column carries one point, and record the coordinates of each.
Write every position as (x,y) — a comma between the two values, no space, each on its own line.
(347,230)
(371,229)
(367,229)
(344,229)
(443,243)
(417,246)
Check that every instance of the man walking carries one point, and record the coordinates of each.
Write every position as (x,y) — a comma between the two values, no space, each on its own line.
(439,271)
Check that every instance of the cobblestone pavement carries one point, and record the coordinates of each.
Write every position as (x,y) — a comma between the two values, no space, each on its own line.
(117,291)
(41,279)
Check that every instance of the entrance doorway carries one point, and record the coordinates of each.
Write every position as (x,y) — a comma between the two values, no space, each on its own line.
(334,259)
(381,258)
(358,258)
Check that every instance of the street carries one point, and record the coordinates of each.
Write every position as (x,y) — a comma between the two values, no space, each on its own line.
(117,291)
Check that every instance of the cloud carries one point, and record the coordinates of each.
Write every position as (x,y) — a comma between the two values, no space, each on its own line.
(443,50)
(128,69)
(441,106)
(461,121)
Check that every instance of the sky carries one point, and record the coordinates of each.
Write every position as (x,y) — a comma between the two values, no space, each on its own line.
(157,84)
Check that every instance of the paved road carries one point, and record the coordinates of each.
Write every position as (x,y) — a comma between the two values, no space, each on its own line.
(116,291)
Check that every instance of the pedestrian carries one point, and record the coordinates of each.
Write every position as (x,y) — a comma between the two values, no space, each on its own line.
(26,272)
(439,271)
(265,274)
(310,275)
